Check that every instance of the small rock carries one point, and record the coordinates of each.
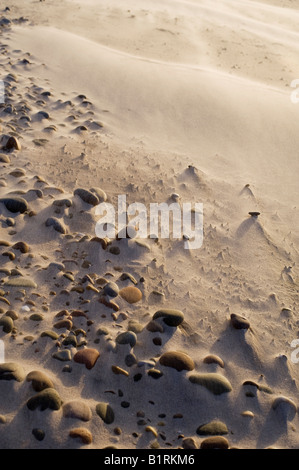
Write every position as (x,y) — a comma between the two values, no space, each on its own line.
(217,442)
(83,434)
(127,338)
(63,356)
(56,224)
(215,383)
(105,412)
(170,317)
(39,434)
(88,356)
(7,324)
(238,322)
(45,399)
(214,428)
(14,205)
(87,196)
(189,443)
(77,410)
(20,281)
(111,289)
(12,371)
(131,294)
(213,359)
(39,380)
(155,373)
(12,143)
(177,360)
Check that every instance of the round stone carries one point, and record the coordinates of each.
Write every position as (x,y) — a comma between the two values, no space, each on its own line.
(170,317)
(39,380)
(214,428)
(177,360)
(128,337)
(111,289)
(77,409)
(215,383)
(87,356)
(87,196)
(15,204)
(12,371)
(7,324)
(39,434)
(131,294)
(46,399)
(64,355)
(81,433)
(105,412)
(215,442)
(238,322)
(213,359)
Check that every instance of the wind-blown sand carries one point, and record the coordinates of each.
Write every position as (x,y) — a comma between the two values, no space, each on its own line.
(149,99)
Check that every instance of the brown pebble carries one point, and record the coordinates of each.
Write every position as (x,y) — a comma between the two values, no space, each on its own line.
(215,442)
(87,356)
(63,324)
(119,371)
(83,434)
(21,246)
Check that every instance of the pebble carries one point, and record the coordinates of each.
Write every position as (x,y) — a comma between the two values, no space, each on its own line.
(131,294)
(285,406)
(128,276)
(3,419)
(77,410)
(4,158)
(111,289)
(105,412)
(170,317)
(45,399)
(20,281)
(130,360)
(87,196)
(15,205)
(238,322)
(36,317)
(155,373)
(7,324)
(63,356)
(39,380)
(17,173)
(87,356)
(177,360)
(135,326)
(12,371)
(68,324)
(49,334)
(83,434)
(217,442)
(154,327)
(152,430)
(214,428)
(21,246)
(12,143)
(213,359)
(128,337)
(39,434)
(215,383)
(189,443)
(101,195)
(56,224)
(119,371)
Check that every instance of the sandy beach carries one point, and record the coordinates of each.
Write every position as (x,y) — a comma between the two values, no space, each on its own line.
(133,339)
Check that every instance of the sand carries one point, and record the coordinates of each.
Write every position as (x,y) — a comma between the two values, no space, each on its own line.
(169,101)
